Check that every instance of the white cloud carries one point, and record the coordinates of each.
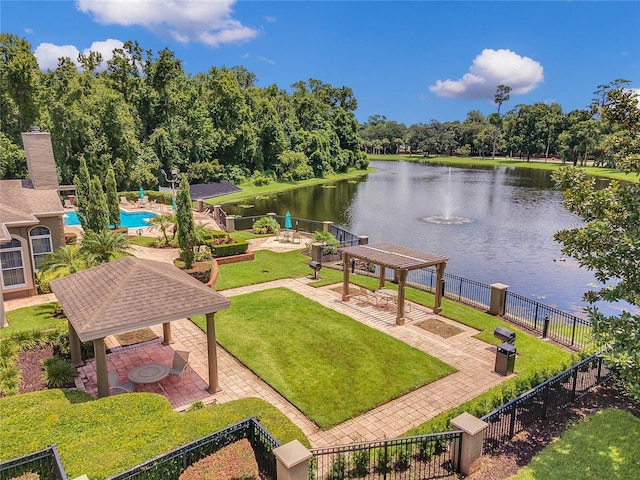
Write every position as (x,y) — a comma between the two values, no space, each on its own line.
(207,22)
(28,30)
(47,54)
(105,48)
(270,19)
(490,69)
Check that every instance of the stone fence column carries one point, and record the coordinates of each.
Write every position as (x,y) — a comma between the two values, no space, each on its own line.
(326,225)
(470,449)
(231,224)
(216,212)
(363,240)
(498,298)
(292,461)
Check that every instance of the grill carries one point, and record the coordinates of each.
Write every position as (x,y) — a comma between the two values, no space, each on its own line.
(504,335)
(315,266)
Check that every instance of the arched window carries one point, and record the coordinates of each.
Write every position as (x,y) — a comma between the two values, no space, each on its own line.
(12,264)
(40,238)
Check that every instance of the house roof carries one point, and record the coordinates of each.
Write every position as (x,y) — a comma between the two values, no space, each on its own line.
(394,256)
(131,293)
(21,204)
(200,191)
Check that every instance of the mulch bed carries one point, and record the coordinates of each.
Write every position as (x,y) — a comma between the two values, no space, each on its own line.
(438,327)
(30,365)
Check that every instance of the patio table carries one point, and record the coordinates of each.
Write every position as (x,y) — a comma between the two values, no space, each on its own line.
(149,373)
(384,294)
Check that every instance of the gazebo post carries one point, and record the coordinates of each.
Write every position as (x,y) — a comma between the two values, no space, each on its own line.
(101,367)
(382,273)
(74,344)
(166,334)
(439,276)
(402,280)
(345,277)
(212,354)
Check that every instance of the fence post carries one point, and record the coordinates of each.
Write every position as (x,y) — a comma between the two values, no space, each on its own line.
(545,327)
(498,298)
(292,461)
(471,443)
(231,224)
(216,212)
(363,240)
(326,225)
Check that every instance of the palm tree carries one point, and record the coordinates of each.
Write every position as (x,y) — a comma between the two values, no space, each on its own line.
(65,260)
(103,246)
(163,223)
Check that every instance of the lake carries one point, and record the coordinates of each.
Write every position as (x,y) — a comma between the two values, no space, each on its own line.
(505,234)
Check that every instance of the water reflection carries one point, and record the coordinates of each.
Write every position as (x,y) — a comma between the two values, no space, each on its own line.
(513,215)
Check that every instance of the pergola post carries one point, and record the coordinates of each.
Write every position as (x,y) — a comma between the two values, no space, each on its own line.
(101,367)
(166,334)
(382,273)
(401,284)
(74,344)
(212,354)
(345,277)
(439,277)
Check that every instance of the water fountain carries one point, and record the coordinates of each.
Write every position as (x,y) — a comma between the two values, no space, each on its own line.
(448,207)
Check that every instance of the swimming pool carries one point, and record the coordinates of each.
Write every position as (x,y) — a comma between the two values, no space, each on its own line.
(127,219)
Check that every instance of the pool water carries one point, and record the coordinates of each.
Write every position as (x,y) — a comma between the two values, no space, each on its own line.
(127,219)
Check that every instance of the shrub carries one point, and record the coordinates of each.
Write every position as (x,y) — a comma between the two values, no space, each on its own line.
(197,405)
(70,238)
(338,469)
(27,476)
(9,379)
(58,372)
(239,246)
(234,462)
(266,225)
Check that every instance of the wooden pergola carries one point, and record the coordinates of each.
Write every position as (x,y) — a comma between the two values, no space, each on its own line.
(129,294)
(401,260)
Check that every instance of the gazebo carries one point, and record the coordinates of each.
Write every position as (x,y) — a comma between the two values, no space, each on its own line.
(401,260)
(129,294)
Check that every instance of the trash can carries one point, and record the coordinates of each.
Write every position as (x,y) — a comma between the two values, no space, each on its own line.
(505,359)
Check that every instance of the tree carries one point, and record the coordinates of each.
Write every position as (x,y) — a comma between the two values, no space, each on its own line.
(609,241)
(63,261)
(102,246)
(501,96)
(163,223)
(97,210)
(82,182)
(112,198)
(186,225)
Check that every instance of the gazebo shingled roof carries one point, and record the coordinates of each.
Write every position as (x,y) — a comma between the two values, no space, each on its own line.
(132,293)
(401,260)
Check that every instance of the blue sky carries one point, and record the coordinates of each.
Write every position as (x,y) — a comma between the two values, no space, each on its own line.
(411,61)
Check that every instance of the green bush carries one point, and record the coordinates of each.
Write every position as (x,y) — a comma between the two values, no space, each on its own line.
(9,379)
(239,246)
(266,225)
(58,372)
(27,476)
(233,462)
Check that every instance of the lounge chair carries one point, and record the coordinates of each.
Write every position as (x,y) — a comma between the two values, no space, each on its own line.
(68,204)
(124,201)
(117,386)
(180,364)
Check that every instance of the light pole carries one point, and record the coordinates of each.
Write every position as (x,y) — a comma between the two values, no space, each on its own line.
(172,181)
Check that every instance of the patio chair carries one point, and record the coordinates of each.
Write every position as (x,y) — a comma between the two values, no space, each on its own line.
(367,295)
(296,236)
(180,364)
(407,305)
(117,386)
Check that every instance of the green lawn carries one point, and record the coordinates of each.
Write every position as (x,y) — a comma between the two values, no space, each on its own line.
(328,365)
(107,436)
(603,446)
(30,318)
(266,266)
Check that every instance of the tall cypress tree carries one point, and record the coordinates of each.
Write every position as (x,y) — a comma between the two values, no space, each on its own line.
(82,183)
(112,197)
(97,210)
(186,225)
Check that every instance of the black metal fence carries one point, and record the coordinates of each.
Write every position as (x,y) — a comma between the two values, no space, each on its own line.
(424,457)
(170,465)
(546,399)
(552,323)
(298,224)
(45,463)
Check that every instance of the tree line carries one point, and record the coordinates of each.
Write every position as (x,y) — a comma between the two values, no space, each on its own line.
(139,113)
(525,131)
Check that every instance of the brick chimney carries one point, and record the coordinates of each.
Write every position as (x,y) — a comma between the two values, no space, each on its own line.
(40,160)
